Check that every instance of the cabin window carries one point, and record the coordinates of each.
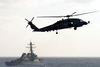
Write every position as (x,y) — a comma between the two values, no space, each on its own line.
(71,22)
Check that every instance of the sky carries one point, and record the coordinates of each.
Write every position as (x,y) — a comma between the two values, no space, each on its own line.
(14,36)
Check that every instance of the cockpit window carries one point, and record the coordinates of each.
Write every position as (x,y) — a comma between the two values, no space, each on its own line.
(80,20)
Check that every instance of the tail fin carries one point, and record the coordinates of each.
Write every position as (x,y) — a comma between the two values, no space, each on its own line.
(32,26)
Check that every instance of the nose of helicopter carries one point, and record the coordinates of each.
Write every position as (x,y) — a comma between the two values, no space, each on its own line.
(85,23)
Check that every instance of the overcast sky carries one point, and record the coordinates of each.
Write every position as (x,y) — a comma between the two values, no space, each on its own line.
(14,36)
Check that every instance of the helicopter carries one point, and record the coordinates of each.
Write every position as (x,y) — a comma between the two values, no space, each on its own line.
(61,24)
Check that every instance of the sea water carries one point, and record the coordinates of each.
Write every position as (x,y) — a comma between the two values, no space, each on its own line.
(59,62)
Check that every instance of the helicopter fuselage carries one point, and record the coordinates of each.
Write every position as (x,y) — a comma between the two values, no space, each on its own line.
(61,24)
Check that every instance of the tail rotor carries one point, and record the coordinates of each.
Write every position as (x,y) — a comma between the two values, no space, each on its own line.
(29,21)
(32,19)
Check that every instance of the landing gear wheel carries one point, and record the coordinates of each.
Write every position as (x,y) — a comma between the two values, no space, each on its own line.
(75,28)
(56,32)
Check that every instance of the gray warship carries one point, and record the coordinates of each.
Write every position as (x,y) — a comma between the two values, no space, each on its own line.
(26,59)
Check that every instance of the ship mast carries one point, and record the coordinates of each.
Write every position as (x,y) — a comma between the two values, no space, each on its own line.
(32,54)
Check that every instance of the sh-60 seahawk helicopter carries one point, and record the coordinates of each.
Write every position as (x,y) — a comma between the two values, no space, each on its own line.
(61,24)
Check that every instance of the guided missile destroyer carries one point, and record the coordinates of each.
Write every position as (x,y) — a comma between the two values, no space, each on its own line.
(26,59)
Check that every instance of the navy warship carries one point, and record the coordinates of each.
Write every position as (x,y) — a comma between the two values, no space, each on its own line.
(26,59)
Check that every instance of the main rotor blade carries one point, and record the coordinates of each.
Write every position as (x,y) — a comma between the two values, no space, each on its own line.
(66,15)
(85,13)
(32,19)
(50,16)
(72,14)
